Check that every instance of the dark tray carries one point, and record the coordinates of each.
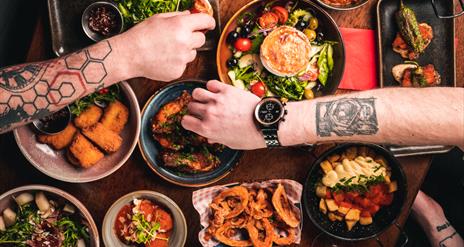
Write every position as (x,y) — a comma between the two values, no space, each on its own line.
(68,35)
(441,52)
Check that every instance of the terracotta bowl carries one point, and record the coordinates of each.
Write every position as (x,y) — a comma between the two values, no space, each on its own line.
(179,232)
(6,200)
(326,24)
(55,164)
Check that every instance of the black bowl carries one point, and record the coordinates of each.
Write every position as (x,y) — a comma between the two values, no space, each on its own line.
(150,148)
(382,220)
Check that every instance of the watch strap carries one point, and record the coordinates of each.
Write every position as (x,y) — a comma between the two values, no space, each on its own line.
(270,137)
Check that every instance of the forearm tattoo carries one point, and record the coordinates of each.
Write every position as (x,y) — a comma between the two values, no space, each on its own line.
(35,90)
(443,227)
(346,117)
(442,242)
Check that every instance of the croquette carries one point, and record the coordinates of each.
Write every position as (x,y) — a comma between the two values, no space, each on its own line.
(90,116)
(115,117)
(104,138)
(60,140)
(83,153)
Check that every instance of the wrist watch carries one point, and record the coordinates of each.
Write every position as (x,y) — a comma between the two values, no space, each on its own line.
(269,112)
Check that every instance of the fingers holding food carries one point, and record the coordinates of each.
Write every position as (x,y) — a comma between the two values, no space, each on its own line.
(83,153)
(90,116)
(60,140)
(115,117)
(104,138)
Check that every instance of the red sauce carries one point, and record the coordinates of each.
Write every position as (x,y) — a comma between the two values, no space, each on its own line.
(151,213)
(123,220)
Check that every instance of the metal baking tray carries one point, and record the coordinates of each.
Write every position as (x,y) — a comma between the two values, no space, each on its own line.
(441,52)
(68,35)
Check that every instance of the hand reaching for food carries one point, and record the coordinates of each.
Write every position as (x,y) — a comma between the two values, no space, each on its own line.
(224,114)
(161,46)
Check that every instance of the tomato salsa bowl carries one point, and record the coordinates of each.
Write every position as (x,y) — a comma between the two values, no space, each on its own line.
(280,48)
(372,200)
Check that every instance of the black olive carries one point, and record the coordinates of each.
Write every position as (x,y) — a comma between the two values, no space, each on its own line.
(231,62)
(245,31)
(232,37)
(319,87)
(320,37)
(300,25)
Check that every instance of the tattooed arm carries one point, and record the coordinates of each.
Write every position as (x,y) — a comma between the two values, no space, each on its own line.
(431,217)
(158,48)
(395,116)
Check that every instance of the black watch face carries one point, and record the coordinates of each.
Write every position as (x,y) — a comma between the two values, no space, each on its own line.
(269,112)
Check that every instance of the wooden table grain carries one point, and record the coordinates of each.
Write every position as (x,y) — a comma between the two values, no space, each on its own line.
(291,163)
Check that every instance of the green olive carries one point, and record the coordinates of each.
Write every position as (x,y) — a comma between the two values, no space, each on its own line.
(313,23)
(311,34)
(309,94)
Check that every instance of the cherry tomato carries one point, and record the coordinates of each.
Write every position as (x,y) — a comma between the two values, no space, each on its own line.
(313,23)
(103,91)
(338,197)
(281,12)
(268,20)
(258,89)
(243,44)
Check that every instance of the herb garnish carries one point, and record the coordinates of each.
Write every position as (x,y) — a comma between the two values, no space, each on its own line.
(102,96)
(362,185)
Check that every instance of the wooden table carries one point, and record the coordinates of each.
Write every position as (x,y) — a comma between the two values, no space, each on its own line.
(291,163)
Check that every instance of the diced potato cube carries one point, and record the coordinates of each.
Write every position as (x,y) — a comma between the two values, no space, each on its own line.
(350,224)
(343,210)
(326,166)
(332,217)
(335,164)
(381,160)
(387,179)
(392,187)
(334,158)
(323,206)
(338,217)
(351,153)
(331,205)
(365,221)
(321,191)
(353,214)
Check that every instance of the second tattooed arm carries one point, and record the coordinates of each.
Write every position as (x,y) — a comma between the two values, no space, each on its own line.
(158,48)
(403,116)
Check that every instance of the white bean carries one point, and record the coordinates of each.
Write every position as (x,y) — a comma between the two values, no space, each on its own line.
(24,198)
(2,224)
(9,216)
(42,202)
(80,243)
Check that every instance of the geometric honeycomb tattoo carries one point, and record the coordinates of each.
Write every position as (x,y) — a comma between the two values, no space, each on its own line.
(35,90)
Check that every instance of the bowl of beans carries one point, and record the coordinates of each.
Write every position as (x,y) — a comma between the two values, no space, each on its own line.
(102,20)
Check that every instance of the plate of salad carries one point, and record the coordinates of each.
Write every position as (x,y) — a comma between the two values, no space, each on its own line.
(289,49)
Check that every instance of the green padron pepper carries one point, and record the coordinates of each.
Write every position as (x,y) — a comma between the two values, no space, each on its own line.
(330,61)
(322,64)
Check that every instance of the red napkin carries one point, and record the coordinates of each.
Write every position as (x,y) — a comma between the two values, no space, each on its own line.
(361,59)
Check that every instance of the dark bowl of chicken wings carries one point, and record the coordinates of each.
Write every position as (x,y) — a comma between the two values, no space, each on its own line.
(174,153)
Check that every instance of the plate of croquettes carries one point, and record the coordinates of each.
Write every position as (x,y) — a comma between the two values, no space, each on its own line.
(98,140)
